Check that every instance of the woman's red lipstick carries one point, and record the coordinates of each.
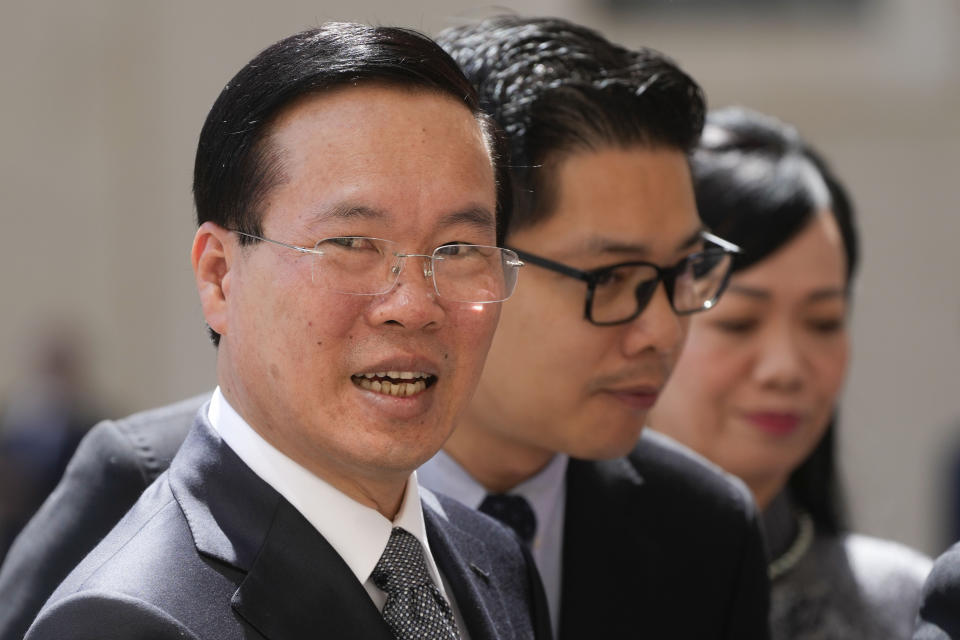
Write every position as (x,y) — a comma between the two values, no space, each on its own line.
(775,422)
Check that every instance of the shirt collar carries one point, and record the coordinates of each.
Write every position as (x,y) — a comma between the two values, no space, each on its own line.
(443,474)
(357,533)
(543,491)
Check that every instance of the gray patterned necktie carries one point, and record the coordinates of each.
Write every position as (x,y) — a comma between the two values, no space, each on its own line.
(415,609)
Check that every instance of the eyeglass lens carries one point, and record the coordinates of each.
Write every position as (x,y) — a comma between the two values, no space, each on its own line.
(693,285)
(370,266)
(474,273)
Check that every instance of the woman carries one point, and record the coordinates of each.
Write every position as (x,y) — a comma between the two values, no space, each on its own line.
(756,387)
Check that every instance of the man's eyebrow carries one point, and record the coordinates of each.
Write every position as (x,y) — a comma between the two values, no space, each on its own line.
(601,244)
(475,216)
(695,237)
(346,211)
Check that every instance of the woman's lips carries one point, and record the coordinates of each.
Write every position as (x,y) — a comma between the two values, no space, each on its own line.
(778,423)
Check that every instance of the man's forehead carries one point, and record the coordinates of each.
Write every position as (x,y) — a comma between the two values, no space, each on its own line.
(368,101)
(367,153)
(637,200)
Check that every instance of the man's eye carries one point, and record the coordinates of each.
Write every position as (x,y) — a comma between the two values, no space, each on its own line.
(461,250)
(610,277)
(453,249)
(700,264)
(351,243)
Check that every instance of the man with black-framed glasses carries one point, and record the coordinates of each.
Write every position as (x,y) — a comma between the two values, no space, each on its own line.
(631,539)
(618,293)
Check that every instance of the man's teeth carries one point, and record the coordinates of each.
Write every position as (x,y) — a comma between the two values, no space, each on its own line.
(387,382)
(394,388)
(396,375)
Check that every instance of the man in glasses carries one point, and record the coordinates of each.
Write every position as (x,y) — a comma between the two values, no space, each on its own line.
(346,261)
(631,541)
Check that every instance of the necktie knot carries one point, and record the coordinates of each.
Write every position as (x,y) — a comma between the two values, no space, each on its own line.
(402,565)
(415,609)
(514,511)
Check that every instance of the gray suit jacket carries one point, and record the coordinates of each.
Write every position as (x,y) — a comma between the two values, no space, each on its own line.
(114,463)
(211,551)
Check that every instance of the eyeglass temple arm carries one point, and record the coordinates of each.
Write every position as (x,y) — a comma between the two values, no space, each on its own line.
(553,266)
(720,242)
(282,244)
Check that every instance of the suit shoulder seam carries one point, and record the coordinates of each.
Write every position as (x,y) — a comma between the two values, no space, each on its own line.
(163,507)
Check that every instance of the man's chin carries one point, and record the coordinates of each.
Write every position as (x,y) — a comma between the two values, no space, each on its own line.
(607,444)
(396,454)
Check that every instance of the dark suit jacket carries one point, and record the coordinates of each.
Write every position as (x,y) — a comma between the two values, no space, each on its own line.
(687,539)
(212,551)
(939,617)
(660,545)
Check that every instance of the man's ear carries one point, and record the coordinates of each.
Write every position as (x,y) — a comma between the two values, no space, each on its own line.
(211,257)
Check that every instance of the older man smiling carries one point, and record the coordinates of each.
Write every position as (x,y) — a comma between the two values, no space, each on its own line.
(347,266)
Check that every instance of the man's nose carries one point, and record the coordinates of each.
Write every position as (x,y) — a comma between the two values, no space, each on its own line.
(657,327)
(412,301)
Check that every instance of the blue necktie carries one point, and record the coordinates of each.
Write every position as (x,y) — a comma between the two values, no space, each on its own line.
(513,511)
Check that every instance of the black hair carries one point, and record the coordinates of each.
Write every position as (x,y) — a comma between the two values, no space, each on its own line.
(557,88)
(758,185)
(235,167)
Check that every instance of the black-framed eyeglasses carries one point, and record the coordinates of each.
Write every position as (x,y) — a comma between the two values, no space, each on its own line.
(359,265)
(620,292)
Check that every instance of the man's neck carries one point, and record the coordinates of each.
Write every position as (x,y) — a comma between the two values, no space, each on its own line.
(383,493)
(386,498)
(496,463)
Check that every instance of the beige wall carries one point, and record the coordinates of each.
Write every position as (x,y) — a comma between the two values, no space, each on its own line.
(102,102)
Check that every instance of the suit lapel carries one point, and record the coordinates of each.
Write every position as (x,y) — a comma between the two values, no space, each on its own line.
(310,593)
(296,585)
(462,559)
(608,561)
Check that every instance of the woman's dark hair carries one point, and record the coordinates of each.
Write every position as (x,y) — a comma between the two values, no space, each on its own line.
(758,184)
(557,88)
(235,167)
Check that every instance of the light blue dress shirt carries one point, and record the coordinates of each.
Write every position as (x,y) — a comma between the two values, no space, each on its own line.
(546,493)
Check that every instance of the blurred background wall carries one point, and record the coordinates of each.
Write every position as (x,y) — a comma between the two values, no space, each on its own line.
(102,102)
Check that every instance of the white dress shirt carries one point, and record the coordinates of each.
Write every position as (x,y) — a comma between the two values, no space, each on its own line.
(357,532)
(547,495)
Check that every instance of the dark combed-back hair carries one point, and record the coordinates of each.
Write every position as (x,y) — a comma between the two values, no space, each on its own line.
(235,167)
(557,88)
(758,184)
